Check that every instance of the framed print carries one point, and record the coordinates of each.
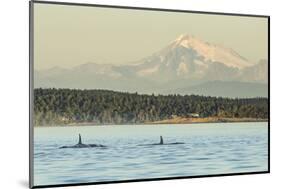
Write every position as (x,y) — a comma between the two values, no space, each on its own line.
(127,94)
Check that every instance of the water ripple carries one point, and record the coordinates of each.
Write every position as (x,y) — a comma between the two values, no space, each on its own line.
(210,149)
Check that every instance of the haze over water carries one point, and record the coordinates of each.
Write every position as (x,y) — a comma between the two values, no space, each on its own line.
(208,149)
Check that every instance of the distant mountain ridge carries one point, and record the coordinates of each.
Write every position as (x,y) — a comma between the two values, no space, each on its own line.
(230,89)
(186,62)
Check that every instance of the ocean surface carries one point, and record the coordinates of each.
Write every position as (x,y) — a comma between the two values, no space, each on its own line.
(212,148)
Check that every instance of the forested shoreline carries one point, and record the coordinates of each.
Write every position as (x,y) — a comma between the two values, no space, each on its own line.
(73,106)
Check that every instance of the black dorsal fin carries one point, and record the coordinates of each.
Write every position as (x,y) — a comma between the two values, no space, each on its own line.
(161,140)
(80,140)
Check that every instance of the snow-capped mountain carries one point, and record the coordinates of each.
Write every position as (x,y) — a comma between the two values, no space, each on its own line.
(191,58)
(186,61)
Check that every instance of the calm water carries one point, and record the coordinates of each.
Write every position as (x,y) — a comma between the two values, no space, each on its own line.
(208,149)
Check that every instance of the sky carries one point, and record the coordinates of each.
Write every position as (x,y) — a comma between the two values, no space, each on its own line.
(67,36)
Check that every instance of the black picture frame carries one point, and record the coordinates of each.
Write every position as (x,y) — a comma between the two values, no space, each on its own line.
(31,79)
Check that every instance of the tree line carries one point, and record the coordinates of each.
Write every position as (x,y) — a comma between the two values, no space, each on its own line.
(64,106)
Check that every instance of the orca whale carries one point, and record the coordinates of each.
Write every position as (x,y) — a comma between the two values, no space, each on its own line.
(162,143)
(161,140)
(81,145)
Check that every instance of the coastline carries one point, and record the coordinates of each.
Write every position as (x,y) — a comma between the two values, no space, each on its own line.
(173,121)
(181,120)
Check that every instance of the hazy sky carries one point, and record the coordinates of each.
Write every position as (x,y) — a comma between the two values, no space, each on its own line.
(66,36)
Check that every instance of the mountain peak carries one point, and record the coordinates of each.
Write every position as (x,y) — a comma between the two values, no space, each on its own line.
(211,52)
(188,40)
(185,37)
